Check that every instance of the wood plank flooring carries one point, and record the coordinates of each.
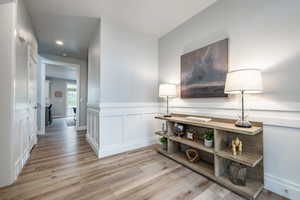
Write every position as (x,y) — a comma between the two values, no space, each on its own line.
(63,166)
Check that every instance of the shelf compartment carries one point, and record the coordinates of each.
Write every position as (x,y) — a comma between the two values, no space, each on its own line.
(248,159)
(161,133)
(251,190)
(200,167)
(193,144)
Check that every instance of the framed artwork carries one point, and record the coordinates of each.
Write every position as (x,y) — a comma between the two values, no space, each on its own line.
(58,94)
(203,71)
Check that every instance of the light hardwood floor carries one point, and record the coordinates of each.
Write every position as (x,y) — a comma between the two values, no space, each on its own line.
(63,166)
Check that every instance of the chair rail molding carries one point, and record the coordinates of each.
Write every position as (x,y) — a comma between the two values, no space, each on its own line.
(285,114)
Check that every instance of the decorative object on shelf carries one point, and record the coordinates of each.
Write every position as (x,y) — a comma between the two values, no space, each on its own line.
(243,81)
(164,143)
(209,138)
(203,71)
(190,135)
(168,91)
(238,174)
(192,155)
(164,127)
(194,133)
(179,129)
(237,145)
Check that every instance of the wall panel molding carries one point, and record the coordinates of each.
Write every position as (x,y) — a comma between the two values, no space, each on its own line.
(25,138)
(92,128)
(121,126)
(282,186)
(285,114)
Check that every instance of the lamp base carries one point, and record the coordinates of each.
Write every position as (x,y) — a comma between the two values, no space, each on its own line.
(243,124)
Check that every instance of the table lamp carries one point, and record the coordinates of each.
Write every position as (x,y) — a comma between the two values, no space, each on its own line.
(167,90)
(241,81)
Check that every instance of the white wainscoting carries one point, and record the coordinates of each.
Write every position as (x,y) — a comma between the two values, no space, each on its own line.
(25,138)
(93,131)
(127,126)
(122,127)
(281,138)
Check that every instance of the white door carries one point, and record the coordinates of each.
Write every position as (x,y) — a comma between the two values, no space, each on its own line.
(32,92)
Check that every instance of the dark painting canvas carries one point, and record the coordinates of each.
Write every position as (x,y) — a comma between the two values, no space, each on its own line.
(203,71)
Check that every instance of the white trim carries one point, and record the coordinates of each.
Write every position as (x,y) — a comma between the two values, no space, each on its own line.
(93,105)
(45,61)
(93,144)
(233,105)
(285,114)
(282,186)
(22,160)
(120,109)
(81,128)
(129,105)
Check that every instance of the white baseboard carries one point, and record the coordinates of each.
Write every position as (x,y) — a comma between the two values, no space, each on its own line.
(21,162)
(93,144)
(120,148)
(282,187)
(81,128)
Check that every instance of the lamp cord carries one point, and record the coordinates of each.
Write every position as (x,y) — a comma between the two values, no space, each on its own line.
(243,113)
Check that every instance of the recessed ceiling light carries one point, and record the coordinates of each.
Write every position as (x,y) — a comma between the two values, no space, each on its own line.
(59,42)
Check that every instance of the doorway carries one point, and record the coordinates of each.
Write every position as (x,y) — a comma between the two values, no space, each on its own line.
(60,95)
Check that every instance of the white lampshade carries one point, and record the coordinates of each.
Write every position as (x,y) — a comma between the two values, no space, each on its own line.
(167,90)
(247,80)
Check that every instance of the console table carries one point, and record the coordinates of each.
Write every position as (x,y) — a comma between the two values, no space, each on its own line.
(216,160)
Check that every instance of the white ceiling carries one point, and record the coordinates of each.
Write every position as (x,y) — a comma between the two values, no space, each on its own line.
(61,72)
(62,19)
(74,31)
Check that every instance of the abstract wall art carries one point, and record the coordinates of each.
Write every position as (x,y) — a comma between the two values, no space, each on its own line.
(203,71)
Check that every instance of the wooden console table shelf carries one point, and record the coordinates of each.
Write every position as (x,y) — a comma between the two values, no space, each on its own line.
(249,159)
(190,143)
(216,160)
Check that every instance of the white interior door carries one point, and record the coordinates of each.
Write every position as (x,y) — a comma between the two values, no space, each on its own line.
(32,90)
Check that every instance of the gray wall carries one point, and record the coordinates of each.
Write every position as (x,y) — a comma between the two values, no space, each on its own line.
(24,25)
(94,68)
(263,34)
(129,64)
(6,88)
(83,81)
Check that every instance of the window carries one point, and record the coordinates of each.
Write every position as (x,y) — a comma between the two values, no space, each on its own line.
(71,97)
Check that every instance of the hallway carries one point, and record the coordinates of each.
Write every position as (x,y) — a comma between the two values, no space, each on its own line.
(63,166)
(61,123)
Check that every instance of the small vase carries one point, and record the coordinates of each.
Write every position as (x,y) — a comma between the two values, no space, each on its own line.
(208,143)
(164,146)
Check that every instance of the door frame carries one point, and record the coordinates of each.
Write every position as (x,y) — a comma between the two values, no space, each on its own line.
(43,63)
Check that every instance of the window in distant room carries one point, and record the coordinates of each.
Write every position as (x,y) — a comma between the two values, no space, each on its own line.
(71,98)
